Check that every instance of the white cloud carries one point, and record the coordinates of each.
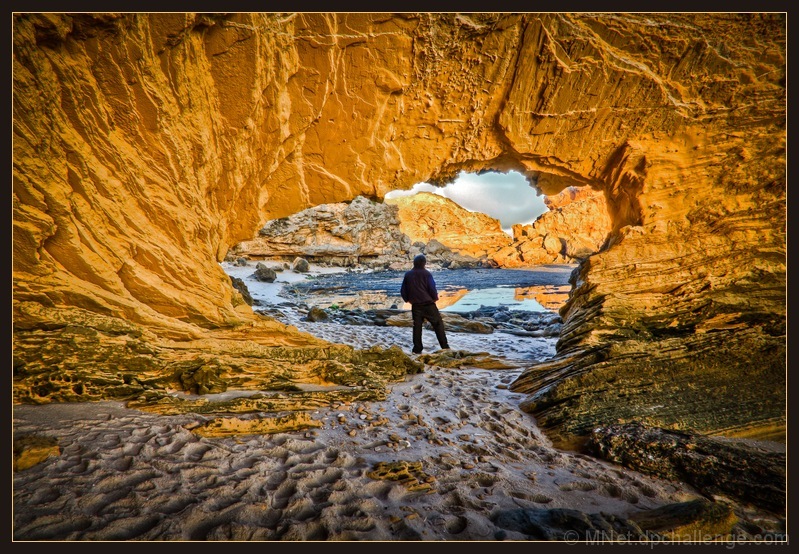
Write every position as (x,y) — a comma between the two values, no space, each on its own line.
(507,197)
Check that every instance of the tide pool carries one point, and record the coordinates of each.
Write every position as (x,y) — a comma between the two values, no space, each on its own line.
(515,298)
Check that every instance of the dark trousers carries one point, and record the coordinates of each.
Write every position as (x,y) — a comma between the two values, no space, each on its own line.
(429,312)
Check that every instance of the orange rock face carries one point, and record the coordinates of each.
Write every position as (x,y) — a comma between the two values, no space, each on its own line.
(146,145)
(426,216)
(576,226)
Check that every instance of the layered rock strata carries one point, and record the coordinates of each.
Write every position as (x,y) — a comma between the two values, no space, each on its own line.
(145,145)
(381,234)
(389,234)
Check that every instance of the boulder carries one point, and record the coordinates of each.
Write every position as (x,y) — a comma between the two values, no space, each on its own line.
(300,265)
(264,273)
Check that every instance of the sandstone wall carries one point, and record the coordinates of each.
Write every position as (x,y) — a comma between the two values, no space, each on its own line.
(145,145)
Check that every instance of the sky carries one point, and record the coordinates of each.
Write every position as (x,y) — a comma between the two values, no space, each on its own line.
(507,197)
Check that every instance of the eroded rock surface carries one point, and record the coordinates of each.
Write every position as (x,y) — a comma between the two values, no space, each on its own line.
(576,226)
(747,472)
(147,144)
(365,233)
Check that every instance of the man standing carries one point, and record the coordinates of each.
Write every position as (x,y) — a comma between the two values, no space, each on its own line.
(419,289)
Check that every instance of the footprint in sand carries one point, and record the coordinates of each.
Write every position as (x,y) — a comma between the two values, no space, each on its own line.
(283,494)
(320,495)
(275,479)
(331,455)
(123,463)
(75,466)
(578,486)
(486,480)
(329,476)
(630,497)
(456,525)
(475,449)
(195,452)
(378,489)
(535,497)
(612,489)
(45,495)
(645,489)
(93,503)
(243,463)
(173,503)
(303,509)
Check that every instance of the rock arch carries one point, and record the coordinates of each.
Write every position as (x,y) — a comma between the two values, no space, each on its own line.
(145,145)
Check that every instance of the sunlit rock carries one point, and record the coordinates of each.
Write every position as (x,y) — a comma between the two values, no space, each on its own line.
(576,226)
(31,450)
(426,216)
(233,426)
(339,233)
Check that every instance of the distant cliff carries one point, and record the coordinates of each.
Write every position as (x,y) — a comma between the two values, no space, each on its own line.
(391,233)
(425,216)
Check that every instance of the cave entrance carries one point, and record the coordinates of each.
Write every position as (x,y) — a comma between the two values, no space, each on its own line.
(507,197)
(479,220)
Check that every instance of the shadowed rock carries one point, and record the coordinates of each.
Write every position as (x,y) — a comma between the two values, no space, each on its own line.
(240,286)
(452,322)
(714,465)
(694,521)
(690,521)
(264,273)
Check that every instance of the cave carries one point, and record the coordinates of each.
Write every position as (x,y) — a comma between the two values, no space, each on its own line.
(146,145)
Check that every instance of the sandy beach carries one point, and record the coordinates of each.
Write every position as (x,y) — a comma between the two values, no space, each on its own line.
(448,456)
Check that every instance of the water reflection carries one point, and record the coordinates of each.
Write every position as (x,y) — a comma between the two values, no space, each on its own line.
(534,299)
(551,297)
(513,298)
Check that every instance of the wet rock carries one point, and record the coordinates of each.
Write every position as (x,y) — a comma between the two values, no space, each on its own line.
(749,471)
(461,358)
(689,520)
(561,524)
(317,314)
(240,286)
(264,273)
(452,322)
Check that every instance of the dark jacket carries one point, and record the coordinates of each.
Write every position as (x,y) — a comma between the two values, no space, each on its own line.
(419,287)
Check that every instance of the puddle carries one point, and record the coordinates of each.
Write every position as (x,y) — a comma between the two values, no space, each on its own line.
(512,297)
